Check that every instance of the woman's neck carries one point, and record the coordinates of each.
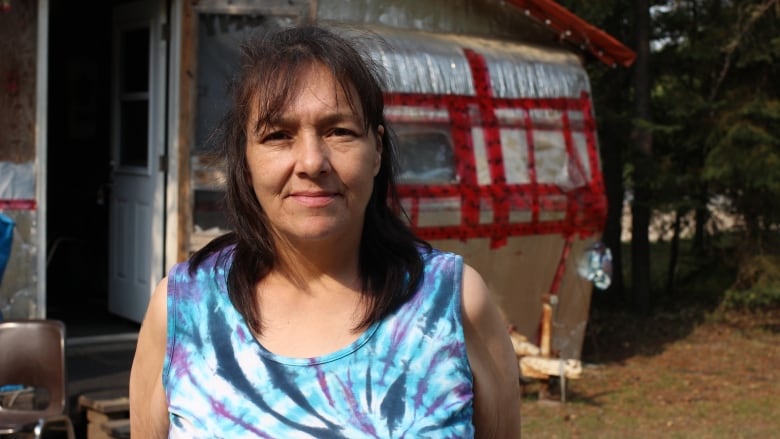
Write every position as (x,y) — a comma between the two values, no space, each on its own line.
(315,262)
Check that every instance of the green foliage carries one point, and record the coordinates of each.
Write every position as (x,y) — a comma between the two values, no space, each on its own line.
(758,285)
(716,106)
(746,149)
(744,164)
(754,299)
(702,278)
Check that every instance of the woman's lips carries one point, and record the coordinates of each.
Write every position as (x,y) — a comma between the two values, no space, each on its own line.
(314,199)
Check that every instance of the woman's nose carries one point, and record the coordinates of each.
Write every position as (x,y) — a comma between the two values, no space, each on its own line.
(313,158)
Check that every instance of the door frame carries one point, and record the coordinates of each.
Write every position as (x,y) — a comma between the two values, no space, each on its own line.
(173,191)
(41,148)
(123,299)
(170,249)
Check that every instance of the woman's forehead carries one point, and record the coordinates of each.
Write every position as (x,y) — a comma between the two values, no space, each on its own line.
(275,98)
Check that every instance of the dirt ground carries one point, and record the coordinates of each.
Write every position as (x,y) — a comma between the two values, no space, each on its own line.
(680,375)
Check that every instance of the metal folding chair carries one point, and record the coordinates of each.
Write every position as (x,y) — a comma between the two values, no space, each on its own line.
(32,356)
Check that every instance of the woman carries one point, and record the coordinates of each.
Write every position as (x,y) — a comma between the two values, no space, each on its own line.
(321,315)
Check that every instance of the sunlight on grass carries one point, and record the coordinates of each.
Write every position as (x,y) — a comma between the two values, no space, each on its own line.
(693,368)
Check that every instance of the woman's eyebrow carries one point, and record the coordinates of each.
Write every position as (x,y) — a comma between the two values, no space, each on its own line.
(328,118)
(340,116)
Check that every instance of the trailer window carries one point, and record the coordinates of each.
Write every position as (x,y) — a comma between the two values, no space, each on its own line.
(425,156)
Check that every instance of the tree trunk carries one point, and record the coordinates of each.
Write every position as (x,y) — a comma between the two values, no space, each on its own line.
(640,211)
(612,165)
(674,251)
(640,245)
(700,231)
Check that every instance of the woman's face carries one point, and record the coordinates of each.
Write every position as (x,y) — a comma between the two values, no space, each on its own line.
(313,169)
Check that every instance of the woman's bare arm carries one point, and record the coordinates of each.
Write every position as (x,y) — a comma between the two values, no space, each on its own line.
(497,392)
(148,405)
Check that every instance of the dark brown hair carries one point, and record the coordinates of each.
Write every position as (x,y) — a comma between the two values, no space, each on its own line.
(269,75)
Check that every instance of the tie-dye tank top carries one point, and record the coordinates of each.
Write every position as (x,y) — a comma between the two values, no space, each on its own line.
(406,376)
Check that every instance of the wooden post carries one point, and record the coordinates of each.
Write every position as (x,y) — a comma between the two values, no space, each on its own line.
(546,337)
(545,341)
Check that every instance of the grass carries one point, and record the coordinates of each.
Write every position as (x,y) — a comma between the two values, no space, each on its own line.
(695,367)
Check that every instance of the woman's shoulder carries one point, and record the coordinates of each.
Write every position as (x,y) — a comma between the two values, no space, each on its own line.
(218,251)
(437,256)
(215,262)
(206,259)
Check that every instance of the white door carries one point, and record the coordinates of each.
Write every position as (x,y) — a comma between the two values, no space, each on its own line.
(138,115)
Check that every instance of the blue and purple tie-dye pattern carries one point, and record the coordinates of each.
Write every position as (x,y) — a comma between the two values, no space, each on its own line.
(407,376)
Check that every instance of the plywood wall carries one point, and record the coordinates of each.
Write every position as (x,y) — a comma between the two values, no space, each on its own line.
(17,81)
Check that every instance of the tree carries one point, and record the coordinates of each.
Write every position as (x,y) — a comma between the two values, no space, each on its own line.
(613,103)
(621,125)
(744,150)
(717,102)
(713,98)
(643,162)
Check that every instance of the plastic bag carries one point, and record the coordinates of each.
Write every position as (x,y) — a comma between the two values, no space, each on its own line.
(595,265)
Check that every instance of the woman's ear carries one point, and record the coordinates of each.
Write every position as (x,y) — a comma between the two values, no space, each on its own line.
(380,132)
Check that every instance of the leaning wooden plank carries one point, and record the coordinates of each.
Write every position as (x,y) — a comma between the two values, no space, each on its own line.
(542,368)
(521,345)
(106,401)
(524,348)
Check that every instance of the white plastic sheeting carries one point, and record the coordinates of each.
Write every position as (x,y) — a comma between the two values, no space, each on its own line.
(420,62)
(493,18)
(17,181)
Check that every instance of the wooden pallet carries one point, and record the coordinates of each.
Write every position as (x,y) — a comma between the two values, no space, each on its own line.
(107,413)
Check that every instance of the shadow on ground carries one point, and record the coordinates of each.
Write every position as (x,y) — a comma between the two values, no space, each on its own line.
(615,335)
(97,365)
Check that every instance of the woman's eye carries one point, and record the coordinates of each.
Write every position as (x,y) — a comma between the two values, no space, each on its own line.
(343,132)
(276,135)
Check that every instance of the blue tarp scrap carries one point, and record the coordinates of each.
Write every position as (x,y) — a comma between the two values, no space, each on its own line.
(6,238)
